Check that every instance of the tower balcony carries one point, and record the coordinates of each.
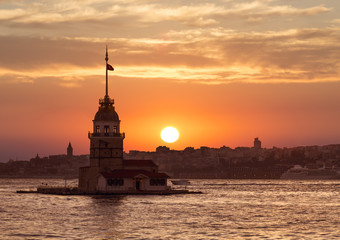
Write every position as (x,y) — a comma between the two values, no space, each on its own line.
(91,135)
(106,100)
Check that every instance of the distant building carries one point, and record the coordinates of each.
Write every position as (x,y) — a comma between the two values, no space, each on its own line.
(108,171)
(69,150)
(257,144)
(162,149)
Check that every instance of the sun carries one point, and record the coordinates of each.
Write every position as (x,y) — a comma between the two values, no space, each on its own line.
(169,134)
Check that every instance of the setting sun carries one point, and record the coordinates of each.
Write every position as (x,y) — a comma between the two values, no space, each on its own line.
(169,134)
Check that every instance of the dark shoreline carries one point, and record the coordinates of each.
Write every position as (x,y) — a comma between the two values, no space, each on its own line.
(74,191)
(39,177)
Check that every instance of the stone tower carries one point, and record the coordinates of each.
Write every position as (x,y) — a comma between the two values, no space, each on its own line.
(106,142)
(69,150)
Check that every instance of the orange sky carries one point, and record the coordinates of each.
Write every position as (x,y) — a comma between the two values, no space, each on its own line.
(221,72)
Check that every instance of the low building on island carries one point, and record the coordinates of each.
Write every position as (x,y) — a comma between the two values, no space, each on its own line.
(131,180)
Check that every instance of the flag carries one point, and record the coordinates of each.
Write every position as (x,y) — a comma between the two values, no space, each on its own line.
(109,67)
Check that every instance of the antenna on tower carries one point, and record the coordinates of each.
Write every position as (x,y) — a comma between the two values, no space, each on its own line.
(106,59)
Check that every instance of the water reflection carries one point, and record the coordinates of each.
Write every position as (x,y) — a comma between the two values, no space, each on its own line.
(107,199)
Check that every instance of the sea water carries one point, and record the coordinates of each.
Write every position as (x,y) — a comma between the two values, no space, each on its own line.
(227,209)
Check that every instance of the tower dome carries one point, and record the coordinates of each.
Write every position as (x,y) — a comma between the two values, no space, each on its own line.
(106,112)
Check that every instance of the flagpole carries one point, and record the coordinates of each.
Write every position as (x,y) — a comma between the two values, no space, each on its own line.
(106,59)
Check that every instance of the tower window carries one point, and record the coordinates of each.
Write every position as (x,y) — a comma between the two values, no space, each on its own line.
(106,130)
(115,129)
(97,129)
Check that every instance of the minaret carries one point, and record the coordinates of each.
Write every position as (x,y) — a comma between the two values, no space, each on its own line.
(106,140)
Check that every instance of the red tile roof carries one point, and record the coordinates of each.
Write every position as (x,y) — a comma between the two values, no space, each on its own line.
(127,173)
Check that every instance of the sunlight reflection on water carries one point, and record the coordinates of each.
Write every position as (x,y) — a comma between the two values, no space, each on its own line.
(228,209)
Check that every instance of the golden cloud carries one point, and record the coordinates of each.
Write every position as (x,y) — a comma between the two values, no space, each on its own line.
(214,55)
(202,14)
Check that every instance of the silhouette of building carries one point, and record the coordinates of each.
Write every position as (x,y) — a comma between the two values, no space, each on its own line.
(162,149)
(108,172)
(257,144)
(69,150)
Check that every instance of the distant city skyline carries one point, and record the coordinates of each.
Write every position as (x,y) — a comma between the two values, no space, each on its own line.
(222,72)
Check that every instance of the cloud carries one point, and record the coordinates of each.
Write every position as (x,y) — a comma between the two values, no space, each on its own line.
(263,8)
(33,53)
(11,14)
(336,20)
(187,42)
(150,12)
(213,55)
(18,53)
